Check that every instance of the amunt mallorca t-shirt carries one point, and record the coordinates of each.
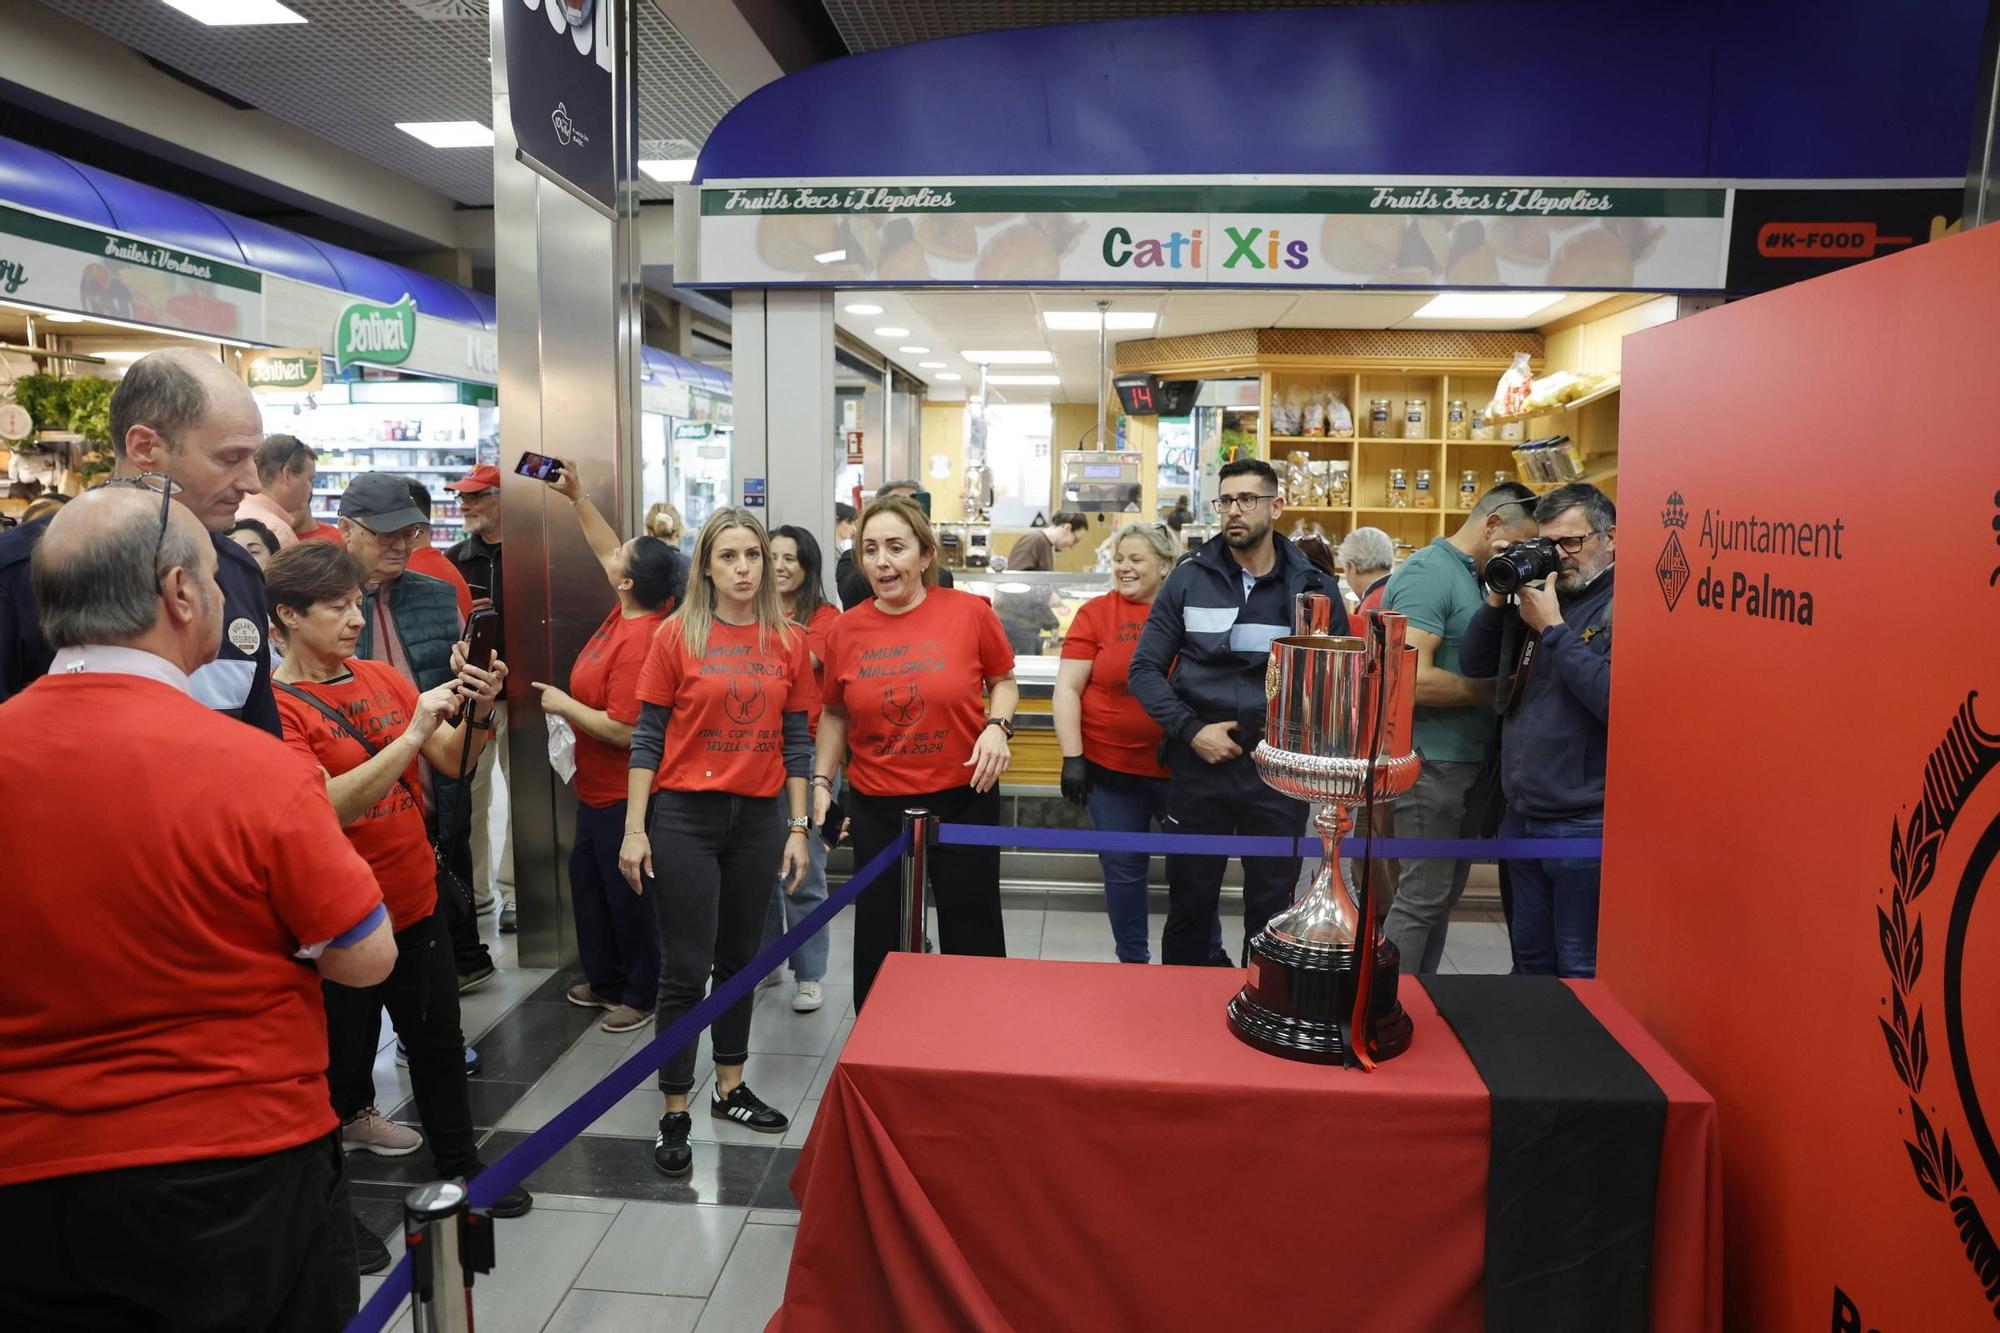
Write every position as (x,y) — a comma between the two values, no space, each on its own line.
(1117,733)
(391,836)
(816,632)
(727,732)
(606,676)
(914,689)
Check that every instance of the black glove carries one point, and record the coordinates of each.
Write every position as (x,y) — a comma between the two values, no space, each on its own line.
(1075,779)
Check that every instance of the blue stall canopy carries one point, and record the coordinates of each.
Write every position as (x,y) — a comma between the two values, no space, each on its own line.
(662,367)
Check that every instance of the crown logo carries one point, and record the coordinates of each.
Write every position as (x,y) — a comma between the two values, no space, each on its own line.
(1675,515)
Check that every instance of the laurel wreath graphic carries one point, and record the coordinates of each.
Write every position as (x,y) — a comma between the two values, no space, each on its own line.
(1953,770)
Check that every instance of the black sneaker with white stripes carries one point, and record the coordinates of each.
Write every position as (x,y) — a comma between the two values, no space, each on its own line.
(670,1150)
(746,1108)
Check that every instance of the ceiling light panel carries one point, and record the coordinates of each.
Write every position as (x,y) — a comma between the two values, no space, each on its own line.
(1085,321)
(862,308)
(1487,305)
(668,170)
(236,13)
(1024,379)
(448,133)
(891,331)
(1023,357)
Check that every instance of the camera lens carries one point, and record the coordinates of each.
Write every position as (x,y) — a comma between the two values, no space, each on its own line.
(1523,562)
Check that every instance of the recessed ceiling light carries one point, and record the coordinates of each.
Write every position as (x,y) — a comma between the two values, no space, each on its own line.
(1085,321)
(235,13)
(931,365)
(1010,358)
(891,331)
(62,317)
(914,351)
(1487,305)
(1024,379)
(862,308)
(668,169)
(829,256)
(948,375)
(448,133)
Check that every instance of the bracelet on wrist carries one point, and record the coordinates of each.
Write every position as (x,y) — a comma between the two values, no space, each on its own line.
(821,780)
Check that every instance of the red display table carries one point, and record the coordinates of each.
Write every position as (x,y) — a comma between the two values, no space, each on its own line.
(1035,1145)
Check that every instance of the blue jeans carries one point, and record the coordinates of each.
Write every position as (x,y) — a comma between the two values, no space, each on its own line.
(615,940)
(1555,900)
(788,909)
(1122,803)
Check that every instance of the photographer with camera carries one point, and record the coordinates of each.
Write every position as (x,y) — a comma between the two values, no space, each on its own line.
(1552,598)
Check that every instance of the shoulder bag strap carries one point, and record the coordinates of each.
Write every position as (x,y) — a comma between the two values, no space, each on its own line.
(340,720)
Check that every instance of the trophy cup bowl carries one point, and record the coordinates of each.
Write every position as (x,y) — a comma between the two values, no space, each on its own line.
(1338,712)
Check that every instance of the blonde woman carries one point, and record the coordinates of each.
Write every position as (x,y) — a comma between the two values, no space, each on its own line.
(723,738)
(664,521)
(1110,747)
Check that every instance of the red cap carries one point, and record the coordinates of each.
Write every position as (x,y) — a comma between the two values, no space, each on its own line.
(485,477)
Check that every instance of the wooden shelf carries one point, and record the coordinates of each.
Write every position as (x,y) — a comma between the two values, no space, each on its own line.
(1391,509)
(1312,439)
(1598,394)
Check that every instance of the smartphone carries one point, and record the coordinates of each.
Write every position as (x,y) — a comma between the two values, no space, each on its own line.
(538,466)
(483,638)
(836,819)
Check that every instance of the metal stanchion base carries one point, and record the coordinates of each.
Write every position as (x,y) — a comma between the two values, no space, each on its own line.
(1297,995)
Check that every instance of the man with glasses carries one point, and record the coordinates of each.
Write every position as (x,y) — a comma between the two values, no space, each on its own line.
(180,422)
(1556,702)
(1212,623)
(1455,795)
(478,560)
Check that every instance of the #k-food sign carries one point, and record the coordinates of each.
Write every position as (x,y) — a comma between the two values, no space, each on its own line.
(1454,234)
(48,262)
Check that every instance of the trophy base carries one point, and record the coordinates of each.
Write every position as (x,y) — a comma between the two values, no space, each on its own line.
(1297,995)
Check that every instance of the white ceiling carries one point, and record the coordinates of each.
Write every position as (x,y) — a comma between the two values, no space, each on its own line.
(951,323)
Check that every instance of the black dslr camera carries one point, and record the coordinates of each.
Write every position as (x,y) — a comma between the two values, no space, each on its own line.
(1523,562)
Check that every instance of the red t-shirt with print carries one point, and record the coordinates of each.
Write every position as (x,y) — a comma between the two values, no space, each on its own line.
(391,836)
(325,532)
(727,732)
(1117,733)
(606,676)
(177,906)
(816,630)
(914,688)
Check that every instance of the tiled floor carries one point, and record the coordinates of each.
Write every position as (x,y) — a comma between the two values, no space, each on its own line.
(612,1245)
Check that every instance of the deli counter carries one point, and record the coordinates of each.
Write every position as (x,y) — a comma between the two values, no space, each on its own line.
(1035,609)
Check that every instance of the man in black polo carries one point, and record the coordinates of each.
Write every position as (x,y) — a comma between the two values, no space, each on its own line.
(1216,615)
(178,418)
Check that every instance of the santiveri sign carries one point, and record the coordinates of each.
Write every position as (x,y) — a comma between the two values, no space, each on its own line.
(378,335)
(283,369)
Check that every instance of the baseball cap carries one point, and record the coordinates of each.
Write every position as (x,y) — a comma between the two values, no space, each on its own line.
(380,502)
(485,477)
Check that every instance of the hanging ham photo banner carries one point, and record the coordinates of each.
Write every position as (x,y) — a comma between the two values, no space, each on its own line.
(1802,867)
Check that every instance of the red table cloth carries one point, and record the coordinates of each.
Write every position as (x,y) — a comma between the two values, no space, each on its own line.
(1014,1144)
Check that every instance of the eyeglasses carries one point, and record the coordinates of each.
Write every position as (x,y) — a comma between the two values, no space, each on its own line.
(1571,545)
(1233,504)
(168,489)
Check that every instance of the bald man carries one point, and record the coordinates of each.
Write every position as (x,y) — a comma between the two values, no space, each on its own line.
(179,415)
(178,1117)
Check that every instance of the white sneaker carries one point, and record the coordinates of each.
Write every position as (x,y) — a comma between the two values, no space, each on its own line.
(371,1131)
(807,998)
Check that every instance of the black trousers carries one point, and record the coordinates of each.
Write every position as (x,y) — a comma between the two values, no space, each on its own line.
(421,996)
(964,881)
(714,857)
(224,1244)
(1226,798)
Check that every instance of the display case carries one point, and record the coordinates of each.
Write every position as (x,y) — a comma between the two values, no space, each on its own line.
(417,429)
(1035,608)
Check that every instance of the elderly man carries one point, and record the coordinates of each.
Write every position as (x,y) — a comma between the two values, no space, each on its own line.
(168,1156)
(411,622)
(1367,555)
(182,416)
(1553,725)
(478,559)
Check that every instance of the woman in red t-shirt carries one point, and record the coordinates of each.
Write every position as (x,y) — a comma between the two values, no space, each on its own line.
(314,591)
(615,940)
(906,673)
(723,736)
(795,568)
(1110,747)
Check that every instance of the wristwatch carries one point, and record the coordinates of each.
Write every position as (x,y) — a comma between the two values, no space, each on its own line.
(1006,727)
(798,823)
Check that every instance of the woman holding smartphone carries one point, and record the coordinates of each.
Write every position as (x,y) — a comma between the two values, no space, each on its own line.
(723,736)
(615,937)
(795,568)
(920,700)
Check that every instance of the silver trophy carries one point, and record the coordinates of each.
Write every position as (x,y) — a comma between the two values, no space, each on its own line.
(1322,979)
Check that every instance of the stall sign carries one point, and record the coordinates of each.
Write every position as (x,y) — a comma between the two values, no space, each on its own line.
(694,430)
(48,262)
(560,54)
(854,446)
(1782,236)
(379,335)
(753,492)
(283,370)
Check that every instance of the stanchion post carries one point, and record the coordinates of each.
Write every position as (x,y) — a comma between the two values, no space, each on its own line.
(919,827)
(448,1243)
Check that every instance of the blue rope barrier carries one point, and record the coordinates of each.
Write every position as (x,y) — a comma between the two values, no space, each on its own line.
(533,1152)
(1212,844)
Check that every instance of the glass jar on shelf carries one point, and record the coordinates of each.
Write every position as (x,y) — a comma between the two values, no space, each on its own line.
(1416,418)
(1378,418)
(1468,489)
(1456,421)
(1501,474)
(1399,489)
(1480,425)
(1427,497)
